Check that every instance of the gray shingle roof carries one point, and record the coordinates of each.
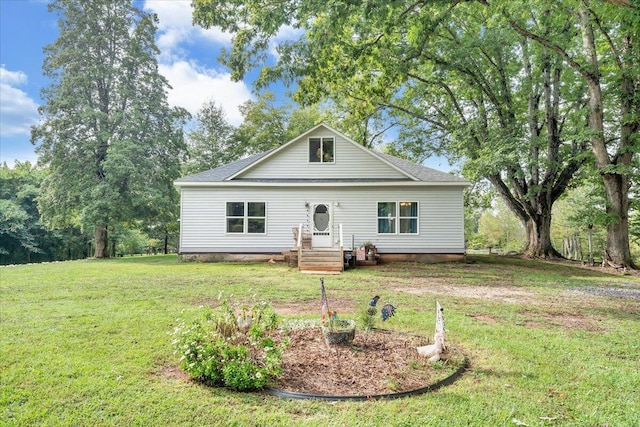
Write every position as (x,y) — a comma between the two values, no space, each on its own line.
(422,173)
(223,172)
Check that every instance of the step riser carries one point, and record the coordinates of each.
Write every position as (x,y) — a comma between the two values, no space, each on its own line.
(320,260)
(323,268)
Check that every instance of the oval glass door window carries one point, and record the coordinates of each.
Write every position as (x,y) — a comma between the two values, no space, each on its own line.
(321,218)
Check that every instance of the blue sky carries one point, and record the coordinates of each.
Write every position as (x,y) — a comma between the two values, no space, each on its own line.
(188,60)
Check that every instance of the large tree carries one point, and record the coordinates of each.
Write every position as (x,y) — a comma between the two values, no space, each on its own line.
(478,92)
(267,125)
(210,142)
(602,44)
(111,142)
(461,82)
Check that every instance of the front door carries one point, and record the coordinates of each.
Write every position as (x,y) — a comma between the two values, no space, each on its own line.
(322,225)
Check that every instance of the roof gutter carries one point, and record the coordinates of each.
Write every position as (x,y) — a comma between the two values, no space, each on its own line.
(245,184)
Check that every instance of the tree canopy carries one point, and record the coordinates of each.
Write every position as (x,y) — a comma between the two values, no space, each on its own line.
(110,141)
(463,79)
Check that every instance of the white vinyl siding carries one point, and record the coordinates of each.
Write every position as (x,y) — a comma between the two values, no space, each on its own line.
(440,218)
(350,162)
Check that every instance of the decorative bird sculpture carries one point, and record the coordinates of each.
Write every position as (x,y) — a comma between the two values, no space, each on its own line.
(434,350)
(439,346)
(374,301)
(387,311)
(372,310)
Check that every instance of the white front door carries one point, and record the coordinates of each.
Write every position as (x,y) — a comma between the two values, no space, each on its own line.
(322,225)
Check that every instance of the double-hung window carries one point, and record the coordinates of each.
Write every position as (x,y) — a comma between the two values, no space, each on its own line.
(246,217)
(321,150)
(398,217)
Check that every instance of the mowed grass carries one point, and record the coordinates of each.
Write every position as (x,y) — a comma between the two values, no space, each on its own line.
(89,343)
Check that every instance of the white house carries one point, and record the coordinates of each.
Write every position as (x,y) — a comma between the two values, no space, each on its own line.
(341,193)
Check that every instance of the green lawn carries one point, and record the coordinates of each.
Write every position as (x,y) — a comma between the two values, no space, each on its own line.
(89,343)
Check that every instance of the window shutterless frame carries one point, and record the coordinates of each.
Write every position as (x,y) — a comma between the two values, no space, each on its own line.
(397,217)
(242,217)
(322,150)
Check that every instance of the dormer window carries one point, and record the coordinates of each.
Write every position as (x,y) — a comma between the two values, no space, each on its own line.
(321,150)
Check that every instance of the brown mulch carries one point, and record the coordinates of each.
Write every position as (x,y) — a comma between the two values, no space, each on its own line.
(376,363)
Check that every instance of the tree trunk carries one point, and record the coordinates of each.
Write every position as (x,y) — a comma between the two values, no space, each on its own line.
(616,189)
(102,242)
(590,244)
(538,233)
(166,243)
(616,183)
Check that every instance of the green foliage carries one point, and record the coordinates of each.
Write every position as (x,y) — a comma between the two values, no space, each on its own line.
(231,347)
(599,42)
(267,126)
(131,242)
(23,237)
(111,143)
(582,214)
(210,144)
(368,317)
(499,228)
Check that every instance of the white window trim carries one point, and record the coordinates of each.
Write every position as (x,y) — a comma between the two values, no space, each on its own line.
(397,218)
(321,138)
(245,218)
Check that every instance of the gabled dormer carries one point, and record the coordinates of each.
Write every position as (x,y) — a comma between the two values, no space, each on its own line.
(322,153)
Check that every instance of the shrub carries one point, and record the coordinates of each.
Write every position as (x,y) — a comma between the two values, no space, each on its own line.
(231,347)
(368,317)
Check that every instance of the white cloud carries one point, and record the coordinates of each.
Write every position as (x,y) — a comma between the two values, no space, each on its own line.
(285,33)
(17,110)
(193,86)
(175,28)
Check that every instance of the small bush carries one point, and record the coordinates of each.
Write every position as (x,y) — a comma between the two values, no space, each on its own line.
(368,318)
(231,347)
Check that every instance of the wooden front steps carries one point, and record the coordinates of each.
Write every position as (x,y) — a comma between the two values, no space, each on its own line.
(321,261)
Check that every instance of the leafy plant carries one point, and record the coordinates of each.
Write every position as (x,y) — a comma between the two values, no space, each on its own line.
(368,317)
(231,347)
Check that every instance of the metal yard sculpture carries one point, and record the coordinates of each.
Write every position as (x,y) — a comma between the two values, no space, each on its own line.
(435,350)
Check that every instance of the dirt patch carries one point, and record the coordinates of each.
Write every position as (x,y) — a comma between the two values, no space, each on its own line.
(380,362)
(313,307)
(484,318)
(376,363)
(493,293)
(172,372)
(565,320)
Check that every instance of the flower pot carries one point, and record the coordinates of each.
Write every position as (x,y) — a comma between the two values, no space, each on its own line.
(339,331)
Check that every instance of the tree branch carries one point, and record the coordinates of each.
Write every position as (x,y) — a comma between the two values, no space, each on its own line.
(559,50)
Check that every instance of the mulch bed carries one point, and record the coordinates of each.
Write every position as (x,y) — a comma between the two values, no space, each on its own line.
(380,362)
